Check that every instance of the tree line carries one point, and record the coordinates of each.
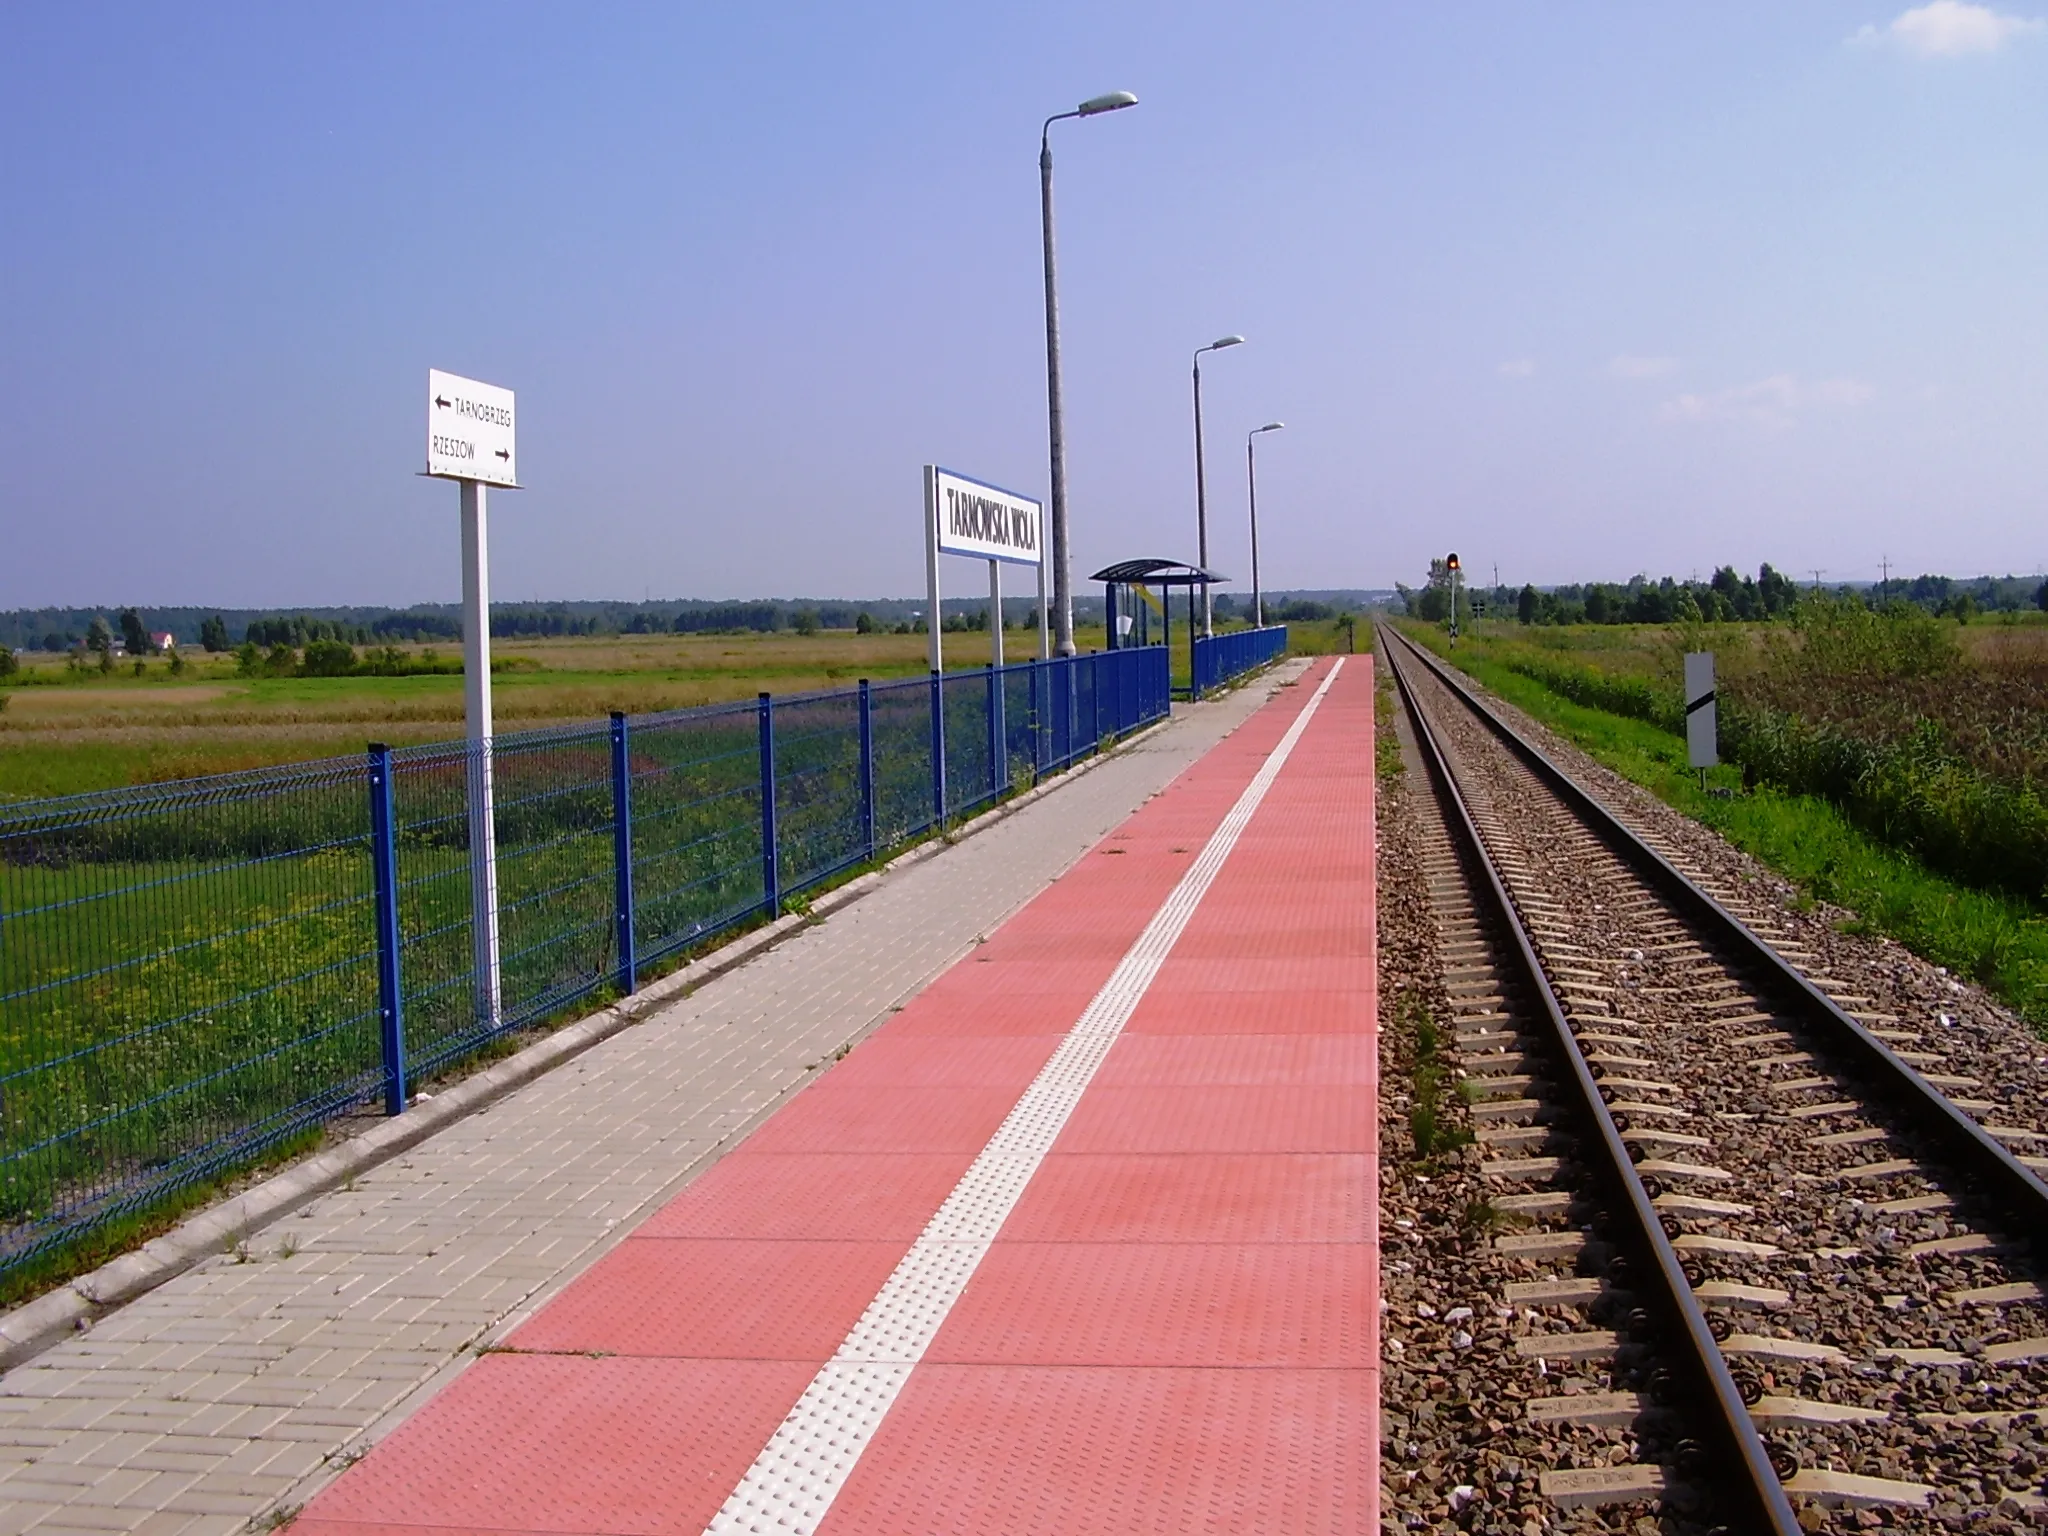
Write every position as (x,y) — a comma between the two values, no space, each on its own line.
(1725,596)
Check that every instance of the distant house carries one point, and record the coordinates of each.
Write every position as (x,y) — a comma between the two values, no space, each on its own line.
(165,641)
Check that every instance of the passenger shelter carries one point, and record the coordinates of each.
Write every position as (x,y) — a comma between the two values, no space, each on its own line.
(1121,583)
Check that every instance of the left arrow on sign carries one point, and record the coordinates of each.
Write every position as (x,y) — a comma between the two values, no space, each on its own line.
(444,404)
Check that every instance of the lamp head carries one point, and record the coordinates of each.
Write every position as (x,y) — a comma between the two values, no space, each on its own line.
(1271,426)
(1115,101)
(1225,341)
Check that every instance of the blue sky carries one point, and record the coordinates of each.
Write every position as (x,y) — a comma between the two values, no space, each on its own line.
(1578,289)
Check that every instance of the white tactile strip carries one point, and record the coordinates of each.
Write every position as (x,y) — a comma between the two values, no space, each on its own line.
(792,1483)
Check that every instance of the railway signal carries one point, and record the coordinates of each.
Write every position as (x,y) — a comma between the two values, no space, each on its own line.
(1451,565)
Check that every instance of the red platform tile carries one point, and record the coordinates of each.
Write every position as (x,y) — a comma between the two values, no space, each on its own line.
(1275,944)
(892,1060)
(1269,977)
(713,1298)
(1050,942)
(960,1010)
(1024,978)
(1241,1013)
(1238,1119)
(1129,1452)
(1197,1198)
(1145,1304)
(565,1444)
(305,1527)
(827,1119)
(1161,1060)
(835,1196)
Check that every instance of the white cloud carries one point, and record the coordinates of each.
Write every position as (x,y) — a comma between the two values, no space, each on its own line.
(1776,401)
(1641,367)
(1517,368)
(1945,28)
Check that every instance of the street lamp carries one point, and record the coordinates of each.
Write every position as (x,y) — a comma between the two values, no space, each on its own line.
(1201,484)
(1251,485)
(1062,580)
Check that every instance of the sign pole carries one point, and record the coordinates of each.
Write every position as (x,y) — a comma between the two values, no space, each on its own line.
(934,650)
(471,440)
(995,612)
(476,698)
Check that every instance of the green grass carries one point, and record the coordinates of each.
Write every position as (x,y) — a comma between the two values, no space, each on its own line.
(1999,941)
(1426,1078)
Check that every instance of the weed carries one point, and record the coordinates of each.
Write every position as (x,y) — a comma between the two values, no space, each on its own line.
(288,1246)
(1425,1122)
(284,1514)
(1485,1216)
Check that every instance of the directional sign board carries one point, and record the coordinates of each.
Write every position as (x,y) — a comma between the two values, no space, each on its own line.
(984,520)
(470,430)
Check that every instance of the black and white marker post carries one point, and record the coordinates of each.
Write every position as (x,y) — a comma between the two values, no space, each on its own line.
(470,440)
(1701,747)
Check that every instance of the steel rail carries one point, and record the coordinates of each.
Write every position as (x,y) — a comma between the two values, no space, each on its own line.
(1753,1493)
(1977,1156)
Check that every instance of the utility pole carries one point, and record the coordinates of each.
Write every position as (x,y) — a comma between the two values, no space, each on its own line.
(1884,564)
(1816,576)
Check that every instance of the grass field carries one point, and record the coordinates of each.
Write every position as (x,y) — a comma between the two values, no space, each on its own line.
(63,733)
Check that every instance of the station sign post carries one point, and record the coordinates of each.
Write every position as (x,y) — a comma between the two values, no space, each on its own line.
(980,521)
(471,433)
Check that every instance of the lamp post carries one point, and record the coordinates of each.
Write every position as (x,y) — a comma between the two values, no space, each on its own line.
(1251,485)
(1201,482)
(1062,576)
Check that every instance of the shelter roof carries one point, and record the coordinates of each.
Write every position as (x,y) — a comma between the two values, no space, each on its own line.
(1165,573)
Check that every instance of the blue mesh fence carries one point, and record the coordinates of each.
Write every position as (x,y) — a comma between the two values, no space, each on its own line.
(1220,658)
(187,974)
(192,973)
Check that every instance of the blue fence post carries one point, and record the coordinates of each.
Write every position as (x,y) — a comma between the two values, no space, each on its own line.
(771,866)
(938,751)
(867,769)
(622,857)
(384,874)
(1038,721)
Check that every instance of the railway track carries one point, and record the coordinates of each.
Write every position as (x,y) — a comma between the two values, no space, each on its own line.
(1766,1258)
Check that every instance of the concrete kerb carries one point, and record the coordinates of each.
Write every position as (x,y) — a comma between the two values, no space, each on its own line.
(28,1330)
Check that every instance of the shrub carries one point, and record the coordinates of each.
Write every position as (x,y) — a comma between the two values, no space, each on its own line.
(328,658)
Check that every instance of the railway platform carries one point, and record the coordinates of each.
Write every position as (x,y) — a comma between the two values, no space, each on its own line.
(1082,1238)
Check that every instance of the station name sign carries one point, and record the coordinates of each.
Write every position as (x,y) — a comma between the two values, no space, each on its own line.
(985,521)
(470,430)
